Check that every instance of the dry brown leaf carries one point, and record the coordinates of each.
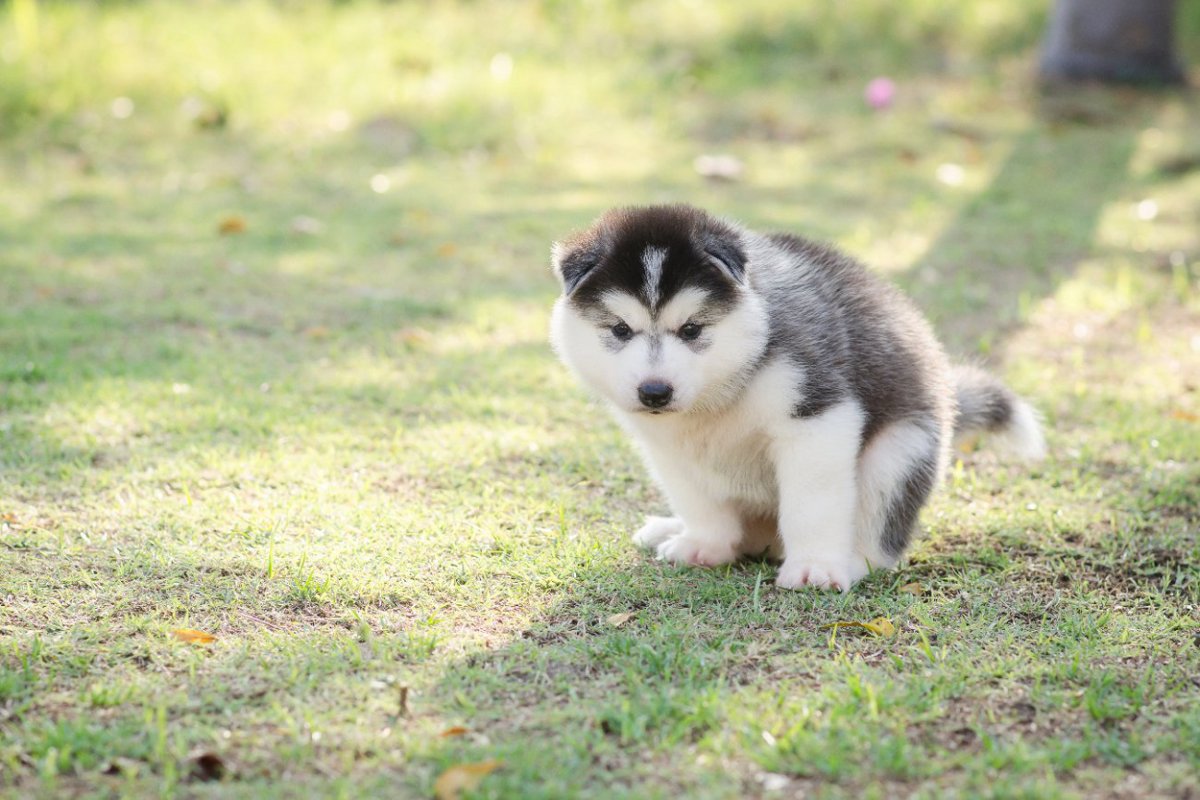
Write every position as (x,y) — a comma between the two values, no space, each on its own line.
(457,730)
(461,778)
(1186,416)
(880,626)
(232,225)
(617,620)
(914,588)
(317,332)
(193,636)
(413,335)
(448,249)
(207,765)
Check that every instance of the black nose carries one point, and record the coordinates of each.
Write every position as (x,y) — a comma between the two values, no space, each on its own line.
(655,394)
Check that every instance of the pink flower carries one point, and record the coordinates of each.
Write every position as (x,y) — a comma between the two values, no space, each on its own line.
(880,93)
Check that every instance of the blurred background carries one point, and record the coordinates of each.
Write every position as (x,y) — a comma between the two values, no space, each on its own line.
(448,142)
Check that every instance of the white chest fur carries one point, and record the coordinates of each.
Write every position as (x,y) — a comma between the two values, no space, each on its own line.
(726,454)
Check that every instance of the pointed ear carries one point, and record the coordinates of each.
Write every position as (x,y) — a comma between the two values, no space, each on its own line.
(573,260)
(724,251)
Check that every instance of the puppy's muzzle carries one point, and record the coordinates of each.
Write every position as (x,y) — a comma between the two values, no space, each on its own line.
(655,394)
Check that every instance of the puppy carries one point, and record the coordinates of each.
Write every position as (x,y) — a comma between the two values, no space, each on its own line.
(785,399)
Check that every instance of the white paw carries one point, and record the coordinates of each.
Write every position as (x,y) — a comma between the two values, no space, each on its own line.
(685,549)
(657,530)
(822,573)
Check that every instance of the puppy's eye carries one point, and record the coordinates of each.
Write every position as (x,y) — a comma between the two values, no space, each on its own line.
(622,331)
(690,331)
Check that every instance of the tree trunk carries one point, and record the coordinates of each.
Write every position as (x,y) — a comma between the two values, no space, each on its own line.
(1112,40)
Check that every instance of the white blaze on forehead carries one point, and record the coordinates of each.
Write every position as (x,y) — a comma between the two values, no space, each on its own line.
(682,307)
(652,260)
(631,310)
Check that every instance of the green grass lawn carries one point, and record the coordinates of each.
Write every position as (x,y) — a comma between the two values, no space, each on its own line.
(335,438)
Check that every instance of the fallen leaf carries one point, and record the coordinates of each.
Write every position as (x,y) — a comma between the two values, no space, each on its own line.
(193,636)
(774,781)
(880,626)
(914,588)
(413,335)
(462,778)
(457,730)
(1186,416)
(307,226)
(617,620)
(207,765)
(316,332)
(719,167)
(446,250)
(232,225)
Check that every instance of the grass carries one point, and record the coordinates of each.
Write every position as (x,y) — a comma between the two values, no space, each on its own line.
(338,441)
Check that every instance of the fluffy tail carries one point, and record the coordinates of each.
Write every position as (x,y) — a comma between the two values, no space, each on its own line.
(985,405)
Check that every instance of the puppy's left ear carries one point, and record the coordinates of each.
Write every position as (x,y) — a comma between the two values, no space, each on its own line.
(724,250)
(573,260)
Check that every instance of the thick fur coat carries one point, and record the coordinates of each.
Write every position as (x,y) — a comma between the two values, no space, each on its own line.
(786,399)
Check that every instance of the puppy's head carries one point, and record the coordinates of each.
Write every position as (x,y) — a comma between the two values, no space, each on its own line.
(657,314)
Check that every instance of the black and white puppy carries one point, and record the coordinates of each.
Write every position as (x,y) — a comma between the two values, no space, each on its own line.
(785,398)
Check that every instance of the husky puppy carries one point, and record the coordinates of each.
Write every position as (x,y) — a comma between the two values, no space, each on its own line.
(786,399)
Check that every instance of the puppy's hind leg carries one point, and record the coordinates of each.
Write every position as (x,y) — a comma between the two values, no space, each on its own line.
(897,472)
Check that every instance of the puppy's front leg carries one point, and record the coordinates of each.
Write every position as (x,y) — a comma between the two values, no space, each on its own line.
(705,532)
(816,463)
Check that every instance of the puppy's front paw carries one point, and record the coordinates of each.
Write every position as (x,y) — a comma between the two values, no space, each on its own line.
(657,530)
(686,549)
(822,573)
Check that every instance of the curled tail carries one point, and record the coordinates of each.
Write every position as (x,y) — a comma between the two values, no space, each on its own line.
(985,405)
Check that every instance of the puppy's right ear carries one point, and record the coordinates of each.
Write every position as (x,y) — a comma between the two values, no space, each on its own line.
(573,260)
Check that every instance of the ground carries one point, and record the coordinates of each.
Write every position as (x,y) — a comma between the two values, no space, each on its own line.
(274,288)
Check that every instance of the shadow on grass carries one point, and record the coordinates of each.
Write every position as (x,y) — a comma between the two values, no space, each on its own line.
(1016,241)
(698,682)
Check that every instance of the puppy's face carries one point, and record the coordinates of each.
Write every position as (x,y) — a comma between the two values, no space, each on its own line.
(656,315)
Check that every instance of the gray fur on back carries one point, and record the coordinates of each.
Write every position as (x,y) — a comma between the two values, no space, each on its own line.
(853,334)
